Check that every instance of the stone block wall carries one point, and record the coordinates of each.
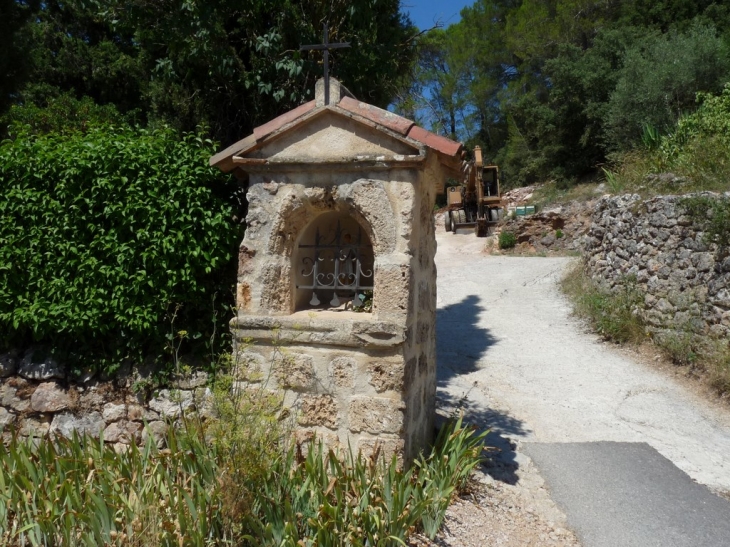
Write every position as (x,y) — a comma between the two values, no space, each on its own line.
(37,398)
(363,379)
(684,279)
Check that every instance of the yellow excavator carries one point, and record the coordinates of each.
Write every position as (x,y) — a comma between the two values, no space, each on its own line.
(476,201)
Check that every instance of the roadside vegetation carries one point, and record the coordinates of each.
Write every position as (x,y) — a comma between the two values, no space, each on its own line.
(615,316)
(106,234)
(234,482)
(694,156)
(612,314)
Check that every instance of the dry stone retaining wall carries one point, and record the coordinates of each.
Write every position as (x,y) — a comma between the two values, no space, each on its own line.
(38,399)
(684,279)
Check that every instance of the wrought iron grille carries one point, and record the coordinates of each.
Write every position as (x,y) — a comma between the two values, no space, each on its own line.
(337,266)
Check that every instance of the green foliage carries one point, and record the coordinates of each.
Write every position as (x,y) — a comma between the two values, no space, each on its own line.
(708,127)
(612,313)
(681,347)
(507,240)
(326,500)
(659,80)
(712,213)
(696,152)
(720,370)
(457,451)
(227,66)
(80,492)
(712,119)
(706,357)
(650,137)
(62,114)
(106,235)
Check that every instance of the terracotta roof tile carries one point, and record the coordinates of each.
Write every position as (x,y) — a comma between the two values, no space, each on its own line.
(262,131)
(436,142)
(223,160)
(398,124)
(394,122)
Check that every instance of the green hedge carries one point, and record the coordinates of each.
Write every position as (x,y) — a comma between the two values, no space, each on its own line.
(105,235)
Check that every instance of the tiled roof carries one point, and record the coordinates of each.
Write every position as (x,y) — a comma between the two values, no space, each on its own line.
(381,118)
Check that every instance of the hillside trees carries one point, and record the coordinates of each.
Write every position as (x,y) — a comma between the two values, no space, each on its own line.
(13,48)
(659,80)
(225,65)
(554,87)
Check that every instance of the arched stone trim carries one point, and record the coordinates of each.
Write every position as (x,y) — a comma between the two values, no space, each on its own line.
(365,200)
(368,202)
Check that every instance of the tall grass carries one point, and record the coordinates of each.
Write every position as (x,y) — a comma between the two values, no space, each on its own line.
(80,492)
(235,482)
(615,316)
(612,314)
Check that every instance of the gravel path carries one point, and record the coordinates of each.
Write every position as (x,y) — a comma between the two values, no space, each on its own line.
(507,342)
(511,356)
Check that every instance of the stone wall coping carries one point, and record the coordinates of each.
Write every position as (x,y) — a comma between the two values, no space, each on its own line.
(321,328)
(360,163)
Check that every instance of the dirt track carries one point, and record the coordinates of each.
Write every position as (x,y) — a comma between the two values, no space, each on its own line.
(510,352)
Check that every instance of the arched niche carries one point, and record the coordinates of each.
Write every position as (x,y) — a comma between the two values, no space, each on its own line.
(333,264)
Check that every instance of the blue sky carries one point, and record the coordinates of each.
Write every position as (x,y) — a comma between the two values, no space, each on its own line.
(425,13)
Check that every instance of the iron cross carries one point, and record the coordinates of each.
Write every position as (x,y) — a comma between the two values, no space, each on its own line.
(326,46)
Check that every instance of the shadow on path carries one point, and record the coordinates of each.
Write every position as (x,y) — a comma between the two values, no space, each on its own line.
(461,343)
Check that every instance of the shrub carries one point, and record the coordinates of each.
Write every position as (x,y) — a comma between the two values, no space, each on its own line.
(507,240)
(612,314)
(62,114)
(105,235)
(81,492)
(659,80)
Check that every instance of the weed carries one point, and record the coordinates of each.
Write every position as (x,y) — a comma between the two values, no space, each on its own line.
(361,501)
(612,314)
(550,193)
(681,347)
(719,370)
(713,216)
(507,240)
(614,183)
(202,493)
(81,492)
(559,233)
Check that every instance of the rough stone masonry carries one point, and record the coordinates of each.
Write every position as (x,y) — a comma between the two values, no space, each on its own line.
(321,178)
(684,279)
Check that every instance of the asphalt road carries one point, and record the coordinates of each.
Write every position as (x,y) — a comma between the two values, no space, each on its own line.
(513,357)
(627,494)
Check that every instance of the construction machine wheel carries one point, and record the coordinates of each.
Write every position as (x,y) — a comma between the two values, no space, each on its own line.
(447,221)
(494,215)
(462,216)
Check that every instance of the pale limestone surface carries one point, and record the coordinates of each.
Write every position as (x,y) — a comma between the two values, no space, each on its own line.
(49,397)
(367,379)
(38,408)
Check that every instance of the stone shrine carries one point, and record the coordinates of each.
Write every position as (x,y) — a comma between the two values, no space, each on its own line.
(336,290)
